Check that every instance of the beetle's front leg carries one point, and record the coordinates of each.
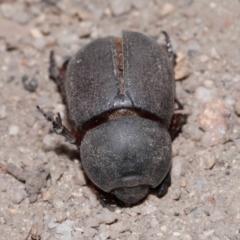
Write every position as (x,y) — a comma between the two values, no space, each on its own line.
(59,128)
(57,74)
(172,55)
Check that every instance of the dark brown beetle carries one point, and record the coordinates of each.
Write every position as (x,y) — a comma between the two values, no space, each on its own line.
(120,98)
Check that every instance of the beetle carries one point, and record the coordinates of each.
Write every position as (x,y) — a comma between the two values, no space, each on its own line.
(120,95)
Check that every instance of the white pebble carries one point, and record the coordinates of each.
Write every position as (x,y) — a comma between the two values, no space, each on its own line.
(206,159)
(212,5)
(7,10)
(49,141)
(104,235)
(120,6)
(167,8)
(35,33)
(13,130)
(176,234)
(178,167)
(3,113)
(91,196)
(205,95)
(107,217)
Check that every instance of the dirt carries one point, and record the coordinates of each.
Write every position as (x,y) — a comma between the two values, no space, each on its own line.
(43,191)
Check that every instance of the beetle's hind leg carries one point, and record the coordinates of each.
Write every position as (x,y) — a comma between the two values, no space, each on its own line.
(57,74)
(172,55)
(162,188)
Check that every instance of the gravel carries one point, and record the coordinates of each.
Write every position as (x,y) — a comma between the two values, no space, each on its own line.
(44,192)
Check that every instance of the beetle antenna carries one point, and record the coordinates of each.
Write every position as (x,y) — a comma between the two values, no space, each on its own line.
(58,127)
(172,55)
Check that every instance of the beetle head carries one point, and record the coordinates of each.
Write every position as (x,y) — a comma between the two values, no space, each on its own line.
(127,156)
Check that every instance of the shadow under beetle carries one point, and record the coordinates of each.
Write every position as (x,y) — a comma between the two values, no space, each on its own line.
(120,95)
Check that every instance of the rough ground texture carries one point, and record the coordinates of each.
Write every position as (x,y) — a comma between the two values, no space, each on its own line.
(43,192)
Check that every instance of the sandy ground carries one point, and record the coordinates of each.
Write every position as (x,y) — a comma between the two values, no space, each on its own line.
(46,195)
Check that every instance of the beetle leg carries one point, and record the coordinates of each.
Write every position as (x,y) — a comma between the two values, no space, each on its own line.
(172,55)
(58,74)
(178,120)
(58,127)
(164,185)
(107,202)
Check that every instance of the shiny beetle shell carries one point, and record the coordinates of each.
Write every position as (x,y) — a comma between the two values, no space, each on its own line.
(130,153)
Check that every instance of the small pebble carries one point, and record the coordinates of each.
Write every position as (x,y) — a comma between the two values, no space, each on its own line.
(91,196)
(192,212)
(13,130)
(120,6)
(65,227)
(148,209)
(206,159)
(189,13)
(60,217)
(107,217)
(57,203)
(217,216)
(181,68)
(30,120)
(209,204)
(119,227)
(187,237)
(215,119)
(46,29)
(229,101)
(96,238)
(214,54)
(208,83)
(204,58)
(192,48)
(174,191)
(183,182)
(92,222)
(139,4)
(22,16)
(176,234)
(167,8)
(236,107)
(80,179)
(67,39)
(19,195)
(52,224)
(212,5)
(192,193)
(208,233)
(3,112)
(104,235)
(49,141)
(30,84)
(163,228)
(190,131)
(178,167)
(35,33)
(47,195)
(89,233)
(7,10)
(205,95)
(39,43)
